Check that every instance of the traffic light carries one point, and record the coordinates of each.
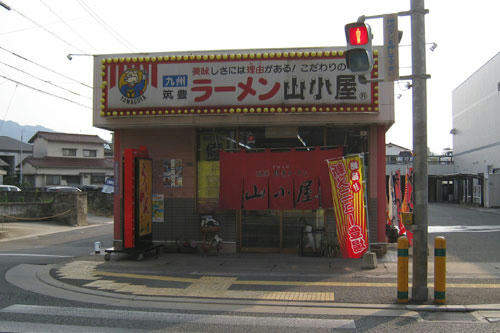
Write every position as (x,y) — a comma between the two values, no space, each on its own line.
(359,54)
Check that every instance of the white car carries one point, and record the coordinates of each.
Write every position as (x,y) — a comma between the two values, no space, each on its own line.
(9,188)
(63,189)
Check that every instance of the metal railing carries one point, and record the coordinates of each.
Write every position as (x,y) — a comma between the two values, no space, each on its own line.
(396,159)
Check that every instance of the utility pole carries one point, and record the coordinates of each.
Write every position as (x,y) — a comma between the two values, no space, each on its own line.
(21,164)
(419,105)
(419,94)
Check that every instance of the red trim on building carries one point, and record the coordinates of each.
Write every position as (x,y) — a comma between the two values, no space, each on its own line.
(117,199)
(381,202)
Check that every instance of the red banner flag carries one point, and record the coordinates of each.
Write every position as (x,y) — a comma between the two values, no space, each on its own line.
(306,192)
(349,205)
(291,180)
(281,193)
(256,193)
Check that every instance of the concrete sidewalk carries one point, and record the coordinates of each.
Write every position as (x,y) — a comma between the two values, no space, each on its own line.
(273,277)
(27,229)
(250,277)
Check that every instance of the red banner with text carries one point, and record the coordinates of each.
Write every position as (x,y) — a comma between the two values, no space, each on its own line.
(349,205)
(275,180)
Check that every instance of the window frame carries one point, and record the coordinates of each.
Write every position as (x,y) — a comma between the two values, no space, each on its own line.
(89,151)
(92,178)
(52,177)
(66,151)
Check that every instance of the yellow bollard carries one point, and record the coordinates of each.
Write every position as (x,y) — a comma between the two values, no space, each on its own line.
(403,269)
(440,270)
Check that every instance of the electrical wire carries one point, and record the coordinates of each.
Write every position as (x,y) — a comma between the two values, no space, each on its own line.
(46,92)
(44,81)
(44,67)
(8,107)
(107,27)
(25,29)
(67,25)
(48,31)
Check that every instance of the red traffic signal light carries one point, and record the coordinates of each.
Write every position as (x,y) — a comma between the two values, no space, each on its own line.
(358,35)
(359,54)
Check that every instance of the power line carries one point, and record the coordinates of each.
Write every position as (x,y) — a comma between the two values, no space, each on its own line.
(47,30)
(107,27)
(27,28)
(67,25)
(46,92)
(45,81)
(8,107)
(44,67)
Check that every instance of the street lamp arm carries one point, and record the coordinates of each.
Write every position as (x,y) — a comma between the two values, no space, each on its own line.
(71,55)
(4,5)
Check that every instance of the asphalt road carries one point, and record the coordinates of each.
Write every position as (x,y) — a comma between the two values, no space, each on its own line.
(24,311)
(472,234)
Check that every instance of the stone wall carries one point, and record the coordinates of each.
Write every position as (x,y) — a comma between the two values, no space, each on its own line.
(67,208)
(99,203)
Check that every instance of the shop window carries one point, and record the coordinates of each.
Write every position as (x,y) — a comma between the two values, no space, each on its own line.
(69,152)
(52,180)
(89,153)
(354,140)
(210,142)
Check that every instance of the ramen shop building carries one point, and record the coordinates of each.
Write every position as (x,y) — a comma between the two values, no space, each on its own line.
(243,135)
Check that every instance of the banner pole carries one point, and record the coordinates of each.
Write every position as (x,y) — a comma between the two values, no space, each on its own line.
(365,202)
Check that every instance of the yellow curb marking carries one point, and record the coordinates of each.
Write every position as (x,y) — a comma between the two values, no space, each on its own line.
(252,282)
(295,283)
(206,286)
(218,287)
(82,270)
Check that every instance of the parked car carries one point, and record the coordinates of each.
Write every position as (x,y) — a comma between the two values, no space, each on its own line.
(86,188)
(9,188)
(63,189)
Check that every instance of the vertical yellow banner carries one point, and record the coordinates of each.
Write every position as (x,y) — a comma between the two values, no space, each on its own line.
(346,178)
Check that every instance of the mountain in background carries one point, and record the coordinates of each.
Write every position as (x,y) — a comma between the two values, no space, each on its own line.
(14,130)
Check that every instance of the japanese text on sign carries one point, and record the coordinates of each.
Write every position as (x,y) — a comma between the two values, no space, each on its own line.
(305,81)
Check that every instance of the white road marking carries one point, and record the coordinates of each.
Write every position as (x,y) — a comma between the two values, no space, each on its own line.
(16,326)
(33,255)
(462,228)
(181,318)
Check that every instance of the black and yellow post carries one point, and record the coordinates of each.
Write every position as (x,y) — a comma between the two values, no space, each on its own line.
(440,270)
(403,269)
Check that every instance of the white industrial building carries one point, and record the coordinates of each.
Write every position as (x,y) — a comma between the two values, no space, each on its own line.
(476,132)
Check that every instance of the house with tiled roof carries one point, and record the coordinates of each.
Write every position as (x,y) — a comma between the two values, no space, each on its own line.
(67,159)
(12,151)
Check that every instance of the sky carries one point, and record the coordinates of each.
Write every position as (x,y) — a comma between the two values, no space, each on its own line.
(37,35)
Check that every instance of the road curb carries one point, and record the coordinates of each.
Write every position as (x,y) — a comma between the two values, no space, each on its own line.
(43,275)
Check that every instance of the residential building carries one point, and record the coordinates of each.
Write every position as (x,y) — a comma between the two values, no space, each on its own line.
(476,136)
(66,159)
(12,151)
(440,170)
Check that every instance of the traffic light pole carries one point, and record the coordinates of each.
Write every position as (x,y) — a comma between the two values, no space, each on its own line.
(419,94)
(419,106)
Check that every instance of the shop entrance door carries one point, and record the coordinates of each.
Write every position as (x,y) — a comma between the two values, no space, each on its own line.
(271,190)
(279,230)
(260,231)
